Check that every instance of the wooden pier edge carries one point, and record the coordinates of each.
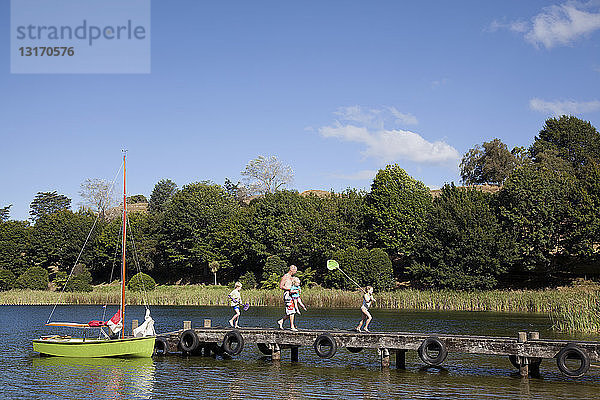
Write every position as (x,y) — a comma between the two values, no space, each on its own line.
(525,352)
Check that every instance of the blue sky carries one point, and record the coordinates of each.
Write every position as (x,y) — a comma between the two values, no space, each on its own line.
(335,89)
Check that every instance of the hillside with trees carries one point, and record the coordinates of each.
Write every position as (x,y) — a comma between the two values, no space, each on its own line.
(540,228)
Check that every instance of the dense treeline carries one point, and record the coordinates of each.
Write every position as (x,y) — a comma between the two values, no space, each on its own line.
(542,226)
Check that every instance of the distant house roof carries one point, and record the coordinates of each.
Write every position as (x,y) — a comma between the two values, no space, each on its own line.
(115,212)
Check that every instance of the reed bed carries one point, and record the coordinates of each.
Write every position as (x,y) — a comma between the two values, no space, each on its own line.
(581,315)
(535,301)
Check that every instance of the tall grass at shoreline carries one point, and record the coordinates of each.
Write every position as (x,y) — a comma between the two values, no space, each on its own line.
(571,310)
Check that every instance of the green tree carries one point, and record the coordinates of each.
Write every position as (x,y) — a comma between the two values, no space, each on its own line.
(15,239)
(80,282)
(462,246)
(5,213)
(190,232)
(568,145)
(214,268)
(302,229)
(366,267)
(490,163)
(248,280)
(274,224)
(140,251)
(141,282)
(137,198)
(60,280)
(7,279)
(274,265)
(34,278)
(547,212)
(161,194)
(45,203)
(571,139)
(58,238)
(237,190)
(395,211)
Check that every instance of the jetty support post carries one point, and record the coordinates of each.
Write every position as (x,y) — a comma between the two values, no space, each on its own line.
(294,353)
(187,325)
(207,323)
(134,324)
(523,362)
(400,359)
(275,352)
(385,358)
(534,367)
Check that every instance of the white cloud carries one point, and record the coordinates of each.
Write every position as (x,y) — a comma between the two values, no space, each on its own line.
(568,107)
(557,24)
(562,25)
(439,82)
(384,144)
(515,26)
(375,117)
(403,118)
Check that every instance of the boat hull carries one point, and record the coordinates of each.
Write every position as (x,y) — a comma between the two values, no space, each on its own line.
(93,348)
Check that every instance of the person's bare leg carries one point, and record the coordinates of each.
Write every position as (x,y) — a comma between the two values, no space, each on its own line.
(369,318)
(292,322)
(281,321)
(360,323)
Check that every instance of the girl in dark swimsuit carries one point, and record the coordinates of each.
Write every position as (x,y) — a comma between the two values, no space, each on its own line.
(366,304)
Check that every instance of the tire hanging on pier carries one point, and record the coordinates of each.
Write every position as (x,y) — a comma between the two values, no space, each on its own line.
(572,352)
(432,345)
(233,343)
(161,347)
(188,341)
(354,349)
(325,345)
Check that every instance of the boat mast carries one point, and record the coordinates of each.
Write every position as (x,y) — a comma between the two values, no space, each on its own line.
(124,243)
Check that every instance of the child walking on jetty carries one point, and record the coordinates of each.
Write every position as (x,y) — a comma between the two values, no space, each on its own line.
(236,303)
(366,304)
(295,291)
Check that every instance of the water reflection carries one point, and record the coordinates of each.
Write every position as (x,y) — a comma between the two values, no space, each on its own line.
(100,378)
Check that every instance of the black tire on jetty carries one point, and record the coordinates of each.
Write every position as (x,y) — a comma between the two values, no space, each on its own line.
(430,345)
(325,345)
(573,352)
(161,347)
(188,341)
(264,348)
(233,343)
(354,349)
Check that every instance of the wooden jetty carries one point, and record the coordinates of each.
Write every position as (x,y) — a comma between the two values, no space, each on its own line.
(526,351)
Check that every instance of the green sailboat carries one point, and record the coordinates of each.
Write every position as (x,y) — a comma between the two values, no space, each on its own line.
(139,345)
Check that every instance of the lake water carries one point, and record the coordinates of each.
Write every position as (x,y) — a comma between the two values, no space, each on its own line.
(26,375)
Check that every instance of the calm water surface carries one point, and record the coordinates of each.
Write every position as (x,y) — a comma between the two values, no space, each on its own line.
(26,375)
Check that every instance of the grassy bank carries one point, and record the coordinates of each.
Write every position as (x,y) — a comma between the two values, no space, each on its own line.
(572,309)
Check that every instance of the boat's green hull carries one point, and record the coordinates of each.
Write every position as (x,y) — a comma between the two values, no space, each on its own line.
(87,348)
